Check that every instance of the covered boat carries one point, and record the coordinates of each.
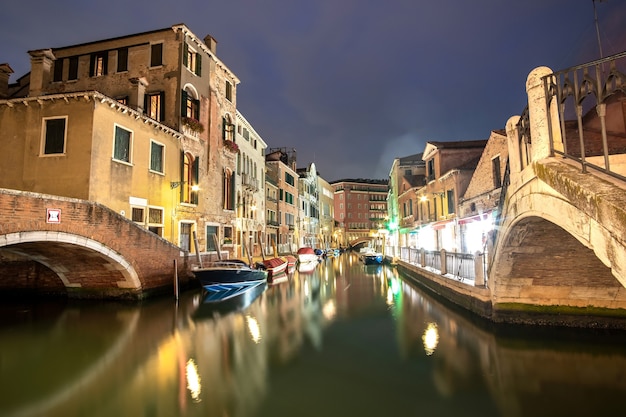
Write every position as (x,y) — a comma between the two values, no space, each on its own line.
(274,267)
(306,255)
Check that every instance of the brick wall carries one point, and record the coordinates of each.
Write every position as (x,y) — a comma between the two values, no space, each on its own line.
(92,266)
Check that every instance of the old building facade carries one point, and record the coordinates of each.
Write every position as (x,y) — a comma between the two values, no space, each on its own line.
(283,161)
(360,208)
(250,188)
(154,141)
(308,220)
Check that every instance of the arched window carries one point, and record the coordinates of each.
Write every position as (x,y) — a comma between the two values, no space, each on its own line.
(190,103)
(228,190)
(189,178)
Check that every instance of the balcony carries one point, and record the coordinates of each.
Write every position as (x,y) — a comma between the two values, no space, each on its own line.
(407,221)
(249,183)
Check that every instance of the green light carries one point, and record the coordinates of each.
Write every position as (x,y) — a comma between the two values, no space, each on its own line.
(392,225)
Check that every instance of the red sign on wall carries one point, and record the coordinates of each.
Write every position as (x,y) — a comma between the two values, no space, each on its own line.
(53,216)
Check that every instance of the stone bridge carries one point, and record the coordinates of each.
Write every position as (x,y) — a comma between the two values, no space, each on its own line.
(560,246)
(57,245)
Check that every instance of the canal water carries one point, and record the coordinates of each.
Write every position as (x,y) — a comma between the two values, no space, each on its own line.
(342,340)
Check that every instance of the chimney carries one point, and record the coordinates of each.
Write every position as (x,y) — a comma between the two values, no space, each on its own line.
(136,99)
(5,73)
(211,43)
(40,71)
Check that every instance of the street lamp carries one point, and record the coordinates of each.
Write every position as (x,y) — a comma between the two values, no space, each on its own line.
(176,184)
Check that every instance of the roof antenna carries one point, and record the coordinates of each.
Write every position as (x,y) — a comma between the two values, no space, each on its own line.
(595,16)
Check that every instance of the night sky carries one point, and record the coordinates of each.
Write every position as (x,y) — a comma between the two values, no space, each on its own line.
(351,84)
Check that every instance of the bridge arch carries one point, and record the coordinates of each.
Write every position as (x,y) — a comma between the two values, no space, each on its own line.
(545,237)
(56,250)
(361,241)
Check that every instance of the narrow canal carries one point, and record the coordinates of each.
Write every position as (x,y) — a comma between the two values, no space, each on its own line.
(342,340)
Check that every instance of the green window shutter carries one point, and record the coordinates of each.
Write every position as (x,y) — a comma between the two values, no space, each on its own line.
(183,104)
(185,52)
(199,65)
(92,65)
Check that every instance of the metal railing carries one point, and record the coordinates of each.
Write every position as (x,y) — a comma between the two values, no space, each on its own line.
(576,91)
(460,266)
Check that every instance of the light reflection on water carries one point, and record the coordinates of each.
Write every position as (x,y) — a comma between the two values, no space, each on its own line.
(343,339)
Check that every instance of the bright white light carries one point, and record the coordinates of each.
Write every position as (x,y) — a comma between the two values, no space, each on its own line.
(430,338)
(329,310)
(253,328)
(389,296)
(193,380)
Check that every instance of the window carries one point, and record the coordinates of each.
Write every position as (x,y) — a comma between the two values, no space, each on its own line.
(137,214)
(156,54)
(431,170)
(211,231)
(155,220)
(122,145)
(189,178)
(123,100)
(192,60)
(288,197)
(184,238)
(228,235)
(98,64)
(229,91)
(495,169)
(156,157)
(228,129)
(58,70)
(228,190)
(122,59)
(73,69)
(289,179)
(54,136)
(190,106)
(153,106)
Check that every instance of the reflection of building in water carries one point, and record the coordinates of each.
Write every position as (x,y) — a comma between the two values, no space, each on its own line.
(230,356)
(359,285)
(284,321)
(528,372)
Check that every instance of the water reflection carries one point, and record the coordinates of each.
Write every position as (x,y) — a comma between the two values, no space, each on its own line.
(358,338)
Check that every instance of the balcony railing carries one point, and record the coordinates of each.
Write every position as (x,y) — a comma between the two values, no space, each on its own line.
(249,182)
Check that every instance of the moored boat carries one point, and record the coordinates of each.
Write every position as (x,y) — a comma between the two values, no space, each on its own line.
(228,271)
(306,255)
(273,267)
(291,263)
(307,267)
(372,258)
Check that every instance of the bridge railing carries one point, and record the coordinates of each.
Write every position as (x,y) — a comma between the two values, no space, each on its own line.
(455,265)
(589,138)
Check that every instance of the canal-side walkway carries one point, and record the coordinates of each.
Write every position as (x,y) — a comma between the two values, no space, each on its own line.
(463,292)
